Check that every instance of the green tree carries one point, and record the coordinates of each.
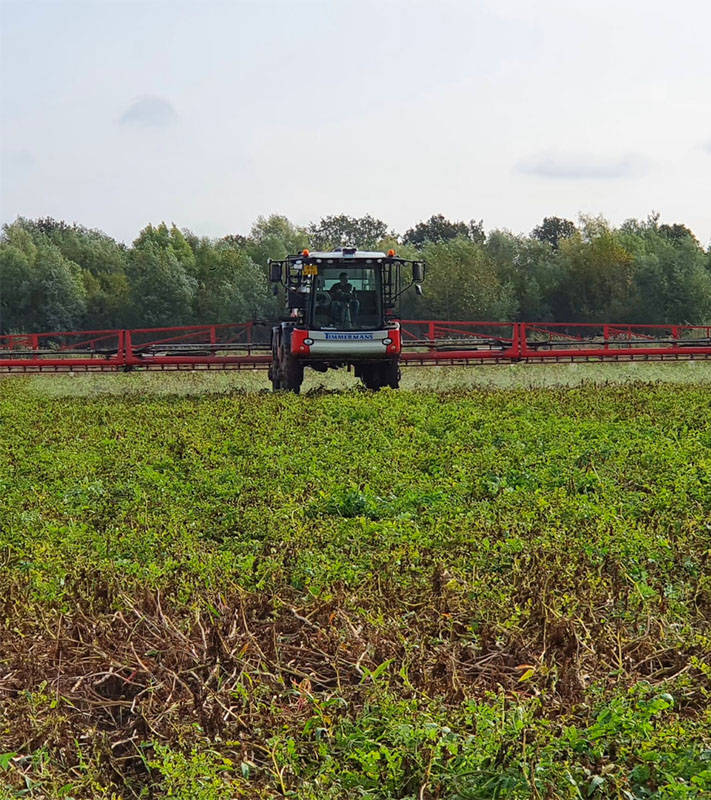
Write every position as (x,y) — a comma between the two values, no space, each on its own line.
(529,267)
(102,261)
(162,290)
(17,256)
(439,229)
(91,249)
(15,288)
(108,300)
(671,274)
(344,231)
(55,275)
(461,284)
(274,237)
(169,239)
(41,290)
(59,295)
(231,287)
(553,230)
(677,232)
(597,275)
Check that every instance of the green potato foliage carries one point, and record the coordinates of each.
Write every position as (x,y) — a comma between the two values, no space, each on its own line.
(468,593)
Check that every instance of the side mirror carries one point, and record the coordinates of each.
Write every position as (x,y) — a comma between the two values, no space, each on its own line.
(418,290)
(418,271)
(275,271)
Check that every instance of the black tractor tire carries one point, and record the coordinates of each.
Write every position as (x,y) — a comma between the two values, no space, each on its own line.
(291,372)
(274,366)
(274,375)
(378,376)
(391,374)
(370,378)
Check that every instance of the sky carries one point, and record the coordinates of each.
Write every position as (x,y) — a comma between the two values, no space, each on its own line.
(208,114)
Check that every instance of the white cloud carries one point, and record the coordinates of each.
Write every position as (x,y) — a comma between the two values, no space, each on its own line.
(557,165)
(150,111)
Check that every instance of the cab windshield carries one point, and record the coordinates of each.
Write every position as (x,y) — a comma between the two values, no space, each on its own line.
(347,298)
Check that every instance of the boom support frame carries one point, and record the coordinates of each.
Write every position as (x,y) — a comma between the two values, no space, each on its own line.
(424,343)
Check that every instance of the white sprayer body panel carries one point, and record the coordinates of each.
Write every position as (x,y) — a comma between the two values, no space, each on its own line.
(350,344)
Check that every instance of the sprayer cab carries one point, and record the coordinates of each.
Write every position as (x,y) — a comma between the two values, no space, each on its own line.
(343,311)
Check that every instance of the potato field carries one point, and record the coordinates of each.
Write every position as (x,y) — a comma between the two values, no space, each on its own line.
(462,592)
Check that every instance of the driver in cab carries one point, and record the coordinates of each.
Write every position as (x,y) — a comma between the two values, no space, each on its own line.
(344,303)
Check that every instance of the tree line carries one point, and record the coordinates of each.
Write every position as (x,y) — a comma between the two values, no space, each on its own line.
(56,276)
